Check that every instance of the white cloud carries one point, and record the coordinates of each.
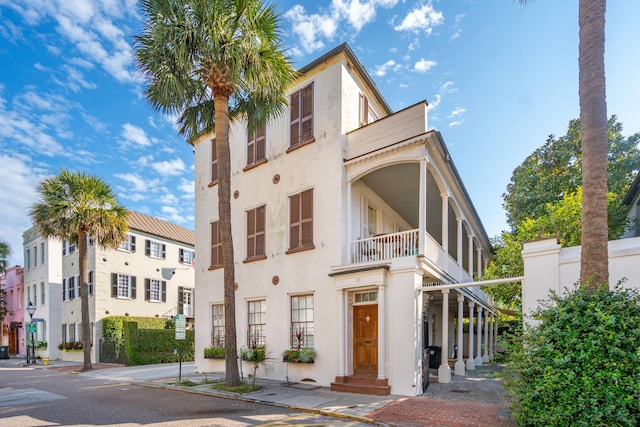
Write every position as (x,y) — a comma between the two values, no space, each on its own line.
(170,168)
(421,19)
(136,183)
(456,113)
(310,28)
(423,65)
(188,188)
(455,123)
(436,101)
(134,135)
(390,65)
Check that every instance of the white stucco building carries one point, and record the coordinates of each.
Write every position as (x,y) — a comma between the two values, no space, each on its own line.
(344,214)
(149,275)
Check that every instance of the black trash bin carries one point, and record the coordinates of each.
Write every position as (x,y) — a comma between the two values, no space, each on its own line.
(435,355)
(4,351)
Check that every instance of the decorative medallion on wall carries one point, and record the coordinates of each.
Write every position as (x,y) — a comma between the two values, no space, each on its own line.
(276,178)
(236,194)
(235,286)
(275,280)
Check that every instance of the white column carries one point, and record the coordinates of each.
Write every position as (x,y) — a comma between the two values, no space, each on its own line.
(382,332)
(485,352)
(459,366)
(444,371)
(470,237)
(349,251)
(471,363)
(459,245)
(422,210)
(445,222)
(479,338)
(491,335)
(342,330)
(479,263)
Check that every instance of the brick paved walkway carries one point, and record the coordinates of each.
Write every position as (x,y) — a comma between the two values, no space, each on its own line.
(474,400)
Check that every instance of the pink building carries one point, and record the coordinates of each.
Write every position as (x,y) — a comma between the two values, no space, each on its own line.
(13,332)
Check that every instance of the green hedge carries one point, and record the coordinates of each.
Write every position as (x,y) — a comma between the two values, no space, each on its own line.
(580,366)
(148,340)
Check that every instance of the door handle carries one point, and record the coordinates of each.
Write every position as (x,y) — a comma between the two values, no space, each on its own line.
(367,341)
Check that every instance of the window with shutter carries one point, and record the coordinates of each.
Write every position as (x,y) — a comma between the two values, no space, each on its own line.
(301,117)
(214,163)
(217,320)
(90,283)
(256,146)
(216,246)
(256,233)
(301,221)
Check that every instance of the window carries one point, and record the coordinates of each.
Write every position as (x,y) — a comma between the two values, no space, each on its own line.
(301,105)
(69,284)
(301,220)
(35,294)
(155,249)
(27,258)
(68,248)
(155,290)
(216,246)
(76,287)
(42,293)
(28,294)
(214,162)
(302,321)
(367,115)
(123,286)
(64,333)
(185,301)
(186,256)
(129,244)
(35,256)
(90,282)
(256,232)
(256,146)
(366,297)
(42,253)
(217,322)
(89,240)
(372,221)
(257,323)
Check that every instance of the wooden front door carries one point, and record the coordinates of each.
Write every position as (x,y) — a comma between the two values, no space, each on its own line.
(365,338)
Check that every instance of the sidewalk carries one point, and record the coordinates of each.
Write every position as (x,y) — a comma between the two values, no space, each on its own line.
(476,399)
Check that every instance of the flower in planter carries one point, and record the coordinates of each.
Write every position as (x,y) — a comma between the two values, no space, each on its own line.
(304,355)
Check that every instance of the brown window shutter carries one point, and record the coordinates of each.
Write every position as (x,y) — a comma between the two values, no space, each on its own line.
(180,255)
(294,221)
(261,143)
(147,247)
(163,284)
(307,114)
(164,251)
(133,287)
(114,285)
(260,230)
(295,119)
(147,289)
(251,233)
(216,245)
(133,243)
(307,218)
(214,162)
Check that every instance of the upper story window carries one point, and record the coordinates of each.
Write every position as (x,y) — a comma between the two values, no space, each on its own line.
(301,126)
(214,163)
(367,115)
(129,244)
(70,288)
(90,282)
(68,247)
(186,256)
(301,221)
(42,257)
(27,258)
(123,286)
(256,146)
(256,223)
(216,246)
(35,256)
(89,240)
(155,249)
(155,290)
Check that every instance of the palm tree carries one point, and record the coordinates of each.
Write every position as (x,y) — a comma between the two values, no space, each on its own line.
(594,258)
(4,254)
(73,206)
(211,61)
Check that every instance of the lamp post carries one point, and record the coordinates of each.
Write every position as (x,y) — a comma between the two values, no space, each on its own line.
(31,309)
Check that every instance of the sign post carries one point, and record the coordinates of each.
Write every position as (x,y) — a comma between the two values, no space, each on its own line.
(181,326)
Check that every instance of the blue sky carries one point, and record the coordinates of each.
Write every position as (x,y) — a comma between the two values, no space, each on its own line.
(499,79)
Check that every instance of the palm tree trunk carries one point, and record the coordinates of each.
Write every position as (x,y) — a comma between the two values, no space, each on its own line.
(83,264)
(223,152)
(594,262)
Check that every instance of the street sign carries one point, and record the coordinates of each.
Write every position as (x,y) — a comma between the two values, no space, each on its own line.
(181,326)
(32,328)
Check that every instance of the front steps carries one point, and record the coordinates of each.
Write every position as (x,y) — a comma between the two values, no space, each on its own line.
(362,384)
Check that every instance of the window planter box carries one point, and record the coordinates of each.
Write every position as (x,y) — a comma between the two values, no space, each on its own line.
(214,353)
(304,355)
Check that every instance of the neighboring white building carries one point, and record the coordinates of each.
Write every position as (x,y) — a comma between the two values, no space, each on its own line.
(549,267)
(43,287)
(343,213)
(149,275)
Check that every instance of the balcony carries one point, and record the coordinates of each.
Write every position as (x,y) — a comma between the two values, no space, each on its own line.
(386,247)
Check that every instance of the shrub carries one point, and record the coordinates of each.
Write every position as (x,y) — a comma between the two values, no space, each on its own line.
(214,352)
(580,365)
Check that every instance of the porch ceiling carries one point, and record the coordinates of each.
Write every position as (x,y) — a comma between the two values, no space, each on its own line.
(398,185)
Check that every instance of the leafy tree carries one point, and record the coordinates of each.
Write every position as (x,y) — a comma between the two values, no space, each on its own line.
(555,169)
(211,61)
(580,365)
(71,207)
(5,251)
